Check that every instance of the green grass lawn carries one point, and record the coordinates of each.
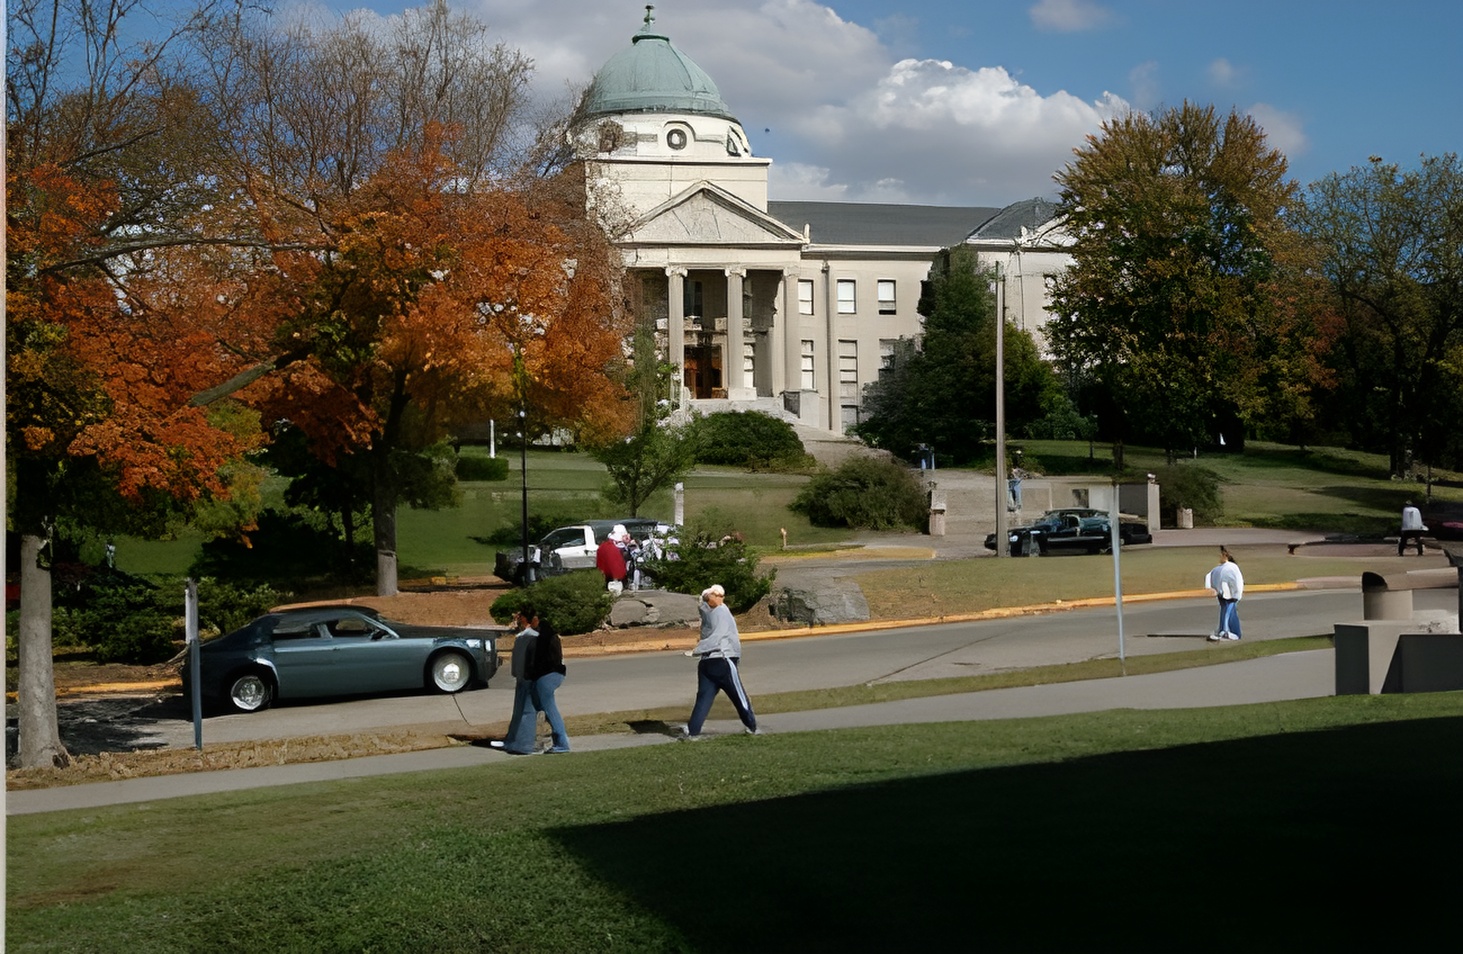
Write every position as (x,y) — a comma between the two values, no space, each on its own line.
(1272,485)
(1244,828)
(1269,485)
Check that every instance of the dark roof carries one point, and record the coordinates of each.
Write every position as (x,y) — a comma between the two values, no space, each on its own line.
(862,223)
(1030,214)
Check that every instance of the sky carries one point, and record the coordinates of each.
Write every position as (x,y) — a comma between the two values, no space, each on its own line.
(980,102)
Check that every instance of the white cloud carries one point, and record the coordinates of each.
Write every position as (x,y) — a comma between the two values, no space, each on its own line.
(1283,131)
(1068,16)
(1147,90)
(827,100)
(1224,74)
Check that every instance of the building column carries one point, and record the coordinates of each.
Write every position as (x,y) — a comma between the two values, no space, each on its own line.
(733,360)
(781,323)
(676,328)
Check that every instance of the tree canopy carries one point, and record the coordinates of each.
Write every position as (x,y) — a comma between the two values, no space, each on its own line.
(1391,245)
(941,390)
(1180,301)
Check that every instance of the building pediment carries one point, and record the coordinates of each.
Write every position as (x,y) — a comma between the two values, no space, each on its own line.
(706,214)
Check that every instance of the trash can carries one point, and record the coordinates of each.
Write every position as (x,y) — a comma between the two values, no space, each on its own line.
(1380,601)
(1186,518)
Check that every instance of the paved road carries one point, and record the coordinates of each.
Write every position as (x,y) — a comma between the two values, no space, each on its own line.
(654,680)
(667,679)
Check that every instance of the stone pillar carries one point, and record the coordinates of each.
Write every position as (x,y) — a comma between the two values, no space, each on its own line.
(733,361)
(777,343)
(792,334)
(676,328)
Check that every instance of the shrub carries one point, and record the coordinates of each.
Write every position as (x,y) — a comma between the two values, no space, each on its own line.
(482,468)
(128,619)
(869,493)
(288,549)
(575,602)
(1191,486)
(745,439)
(700,558)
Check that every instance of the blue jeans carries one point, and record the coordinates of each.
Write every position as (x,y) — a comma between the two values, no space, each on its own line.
(544,688)
(714,674)
(523,727)
(1229,616)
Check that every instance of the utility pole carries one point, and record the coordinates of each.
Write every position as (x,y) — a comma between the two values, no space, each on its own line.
(1003,542)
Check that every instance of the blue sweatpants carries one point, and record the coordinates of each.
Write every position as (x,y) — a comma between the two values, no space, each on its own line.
(713,674)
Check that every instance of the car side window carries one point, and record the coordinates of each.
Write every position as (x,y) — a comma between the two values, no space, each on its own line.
(562,538)
(296,632)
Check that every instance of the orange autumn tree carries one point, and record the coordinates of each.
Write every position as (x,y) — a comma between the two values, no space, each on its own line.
(108,152)
(416,313)
(98,387)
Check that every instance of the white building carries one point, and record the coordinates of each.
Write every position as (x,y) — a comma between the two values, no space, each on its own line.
(788,307)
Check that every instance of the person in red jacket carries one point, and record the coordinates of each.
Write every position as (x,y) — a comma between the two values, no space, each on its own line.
(611,562)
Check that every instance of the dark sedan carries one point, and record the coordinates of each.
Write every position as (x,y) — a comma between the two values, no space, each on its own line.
(1072,530)
(338,650)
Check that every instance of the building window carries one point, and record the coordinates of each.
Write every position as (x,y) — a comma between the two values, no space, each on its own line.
(847,296)
(848,371)
(810,377)
(805,296)
(848,384)
(886,297)
(693,299)
(749,362)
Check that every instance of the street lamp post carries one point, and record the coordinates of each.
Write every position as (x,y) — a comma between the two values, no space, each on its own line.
(528,574)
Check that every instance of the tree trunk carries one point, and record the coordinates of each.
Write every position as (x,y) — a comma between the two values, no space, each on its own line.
(383,522)
(40,737)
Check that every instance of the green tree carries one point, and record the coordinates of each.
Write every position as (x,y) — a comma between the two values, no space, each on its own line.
(657,452)
(941,390)
(1391,246)
(1177,301)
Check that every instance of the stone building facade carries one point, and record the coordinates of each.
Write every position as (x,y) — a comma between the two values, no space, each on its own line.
(788,307)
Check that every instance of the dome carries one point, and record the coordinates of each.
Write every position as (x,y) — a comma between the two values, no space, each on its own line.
(652,76)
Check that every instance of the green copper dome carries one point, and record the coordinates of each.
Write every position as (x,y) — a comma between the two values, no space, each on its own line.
(652,76)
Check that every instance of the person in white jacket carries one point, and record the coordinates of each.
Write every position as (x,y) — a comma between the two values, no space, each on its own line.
(1228,583)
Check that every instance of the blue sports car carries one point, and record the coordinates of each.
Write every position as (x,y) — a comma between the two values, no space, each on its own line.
(338,650)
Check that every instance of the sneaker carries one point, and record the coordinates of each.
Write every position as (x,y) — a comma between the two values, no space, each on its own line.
(558,750)
(1215,637)
(686,736)
(754,731)
(497,743)
(1230,636)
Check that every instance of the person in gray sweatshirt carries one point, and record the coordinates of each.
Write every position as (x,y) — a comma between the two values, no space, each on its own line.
(720,652)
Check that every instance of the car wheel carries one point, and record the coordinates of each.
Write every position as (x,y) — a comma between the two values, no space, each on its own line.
(250,692)
(451,672)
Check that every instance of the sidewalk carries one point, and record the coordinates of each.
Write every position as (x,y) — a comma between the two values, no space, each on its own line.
(1287,676)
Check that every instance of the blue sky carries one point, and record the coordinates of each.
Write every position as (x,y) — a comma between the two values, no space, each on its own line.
(979,102)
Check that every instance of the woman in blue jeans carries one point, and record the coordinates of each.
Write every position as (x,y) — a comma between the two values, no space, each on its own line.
(546,674)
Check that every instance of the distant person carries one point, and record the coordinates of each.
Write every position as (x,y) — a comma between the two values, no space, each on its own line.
(546,674)
(523,726)
(1412,528)
(1228,583)
(720,652)
(609,558)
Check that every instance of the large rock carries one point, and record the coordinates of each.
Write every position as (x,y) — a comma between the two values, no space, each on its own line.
(835,600)
(654,608)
